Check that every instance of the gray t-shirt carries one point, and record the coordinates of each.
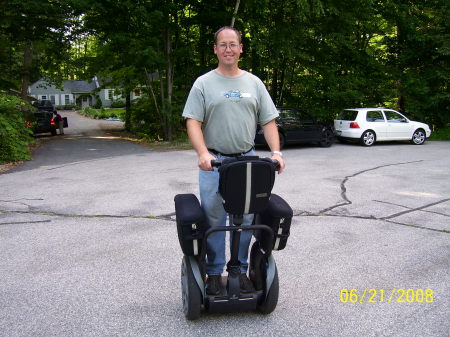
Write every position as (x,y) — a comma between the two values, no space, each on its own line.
(229,109)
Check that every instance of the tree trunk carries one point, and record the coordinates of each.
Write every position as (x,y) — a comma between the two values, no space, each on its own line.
(128,111)
(26,68)
(168,109)
(274,89)
(279,98)
(149,81)
(236,8)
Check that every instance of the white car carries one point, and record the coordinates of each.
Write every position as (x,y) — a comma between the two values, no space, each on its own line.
(370,125)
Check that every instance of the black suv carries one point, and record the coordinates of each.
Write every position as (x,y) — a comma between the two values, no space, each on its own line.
(43,117)
(296,126)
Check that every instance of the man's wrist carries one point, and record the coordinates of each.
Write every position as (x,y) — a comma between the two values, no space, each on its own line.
(278,153)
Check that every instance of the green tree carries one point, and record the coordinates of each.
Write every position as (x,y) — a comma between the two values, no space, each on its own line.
(418,57)
(34,36)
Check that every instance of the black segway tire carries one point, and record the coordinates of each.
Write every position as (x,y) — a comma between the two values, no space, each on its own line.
(271,300)
(256,268)
(191,294)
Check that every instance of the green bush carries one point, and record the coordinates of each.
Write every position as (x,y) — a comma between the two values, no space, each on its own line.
(441,133)
(15,137)
(103,113)
(89,112)
(145,122)
(118,104)
(98,104)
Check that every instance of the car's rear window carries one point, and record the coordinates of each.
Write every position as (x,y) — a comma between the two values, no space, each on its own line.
(347,115)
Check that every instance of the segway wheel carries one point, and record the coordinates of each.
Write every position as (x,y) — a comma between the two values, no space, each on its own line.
(270,303)
(191,294)
(258,273)
(256,268)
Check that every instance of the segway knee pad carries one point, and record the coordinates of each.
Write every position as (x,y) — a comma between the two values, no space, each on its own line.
(191,223)
(278,216)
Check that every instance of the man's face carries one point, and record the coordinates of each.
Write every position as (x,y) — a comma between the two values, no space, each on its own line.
(227,48)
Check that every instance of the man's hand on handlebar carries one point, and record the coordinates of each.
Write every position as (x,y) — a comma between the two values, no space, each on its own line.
(280,160)
(204,161)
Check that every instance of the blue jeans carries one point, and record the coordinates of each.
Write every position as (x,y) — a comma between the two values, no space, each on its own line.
(215,213)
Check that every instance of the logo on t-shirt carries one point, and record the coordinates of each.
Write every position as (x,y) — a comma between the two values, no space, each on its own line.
(236,95)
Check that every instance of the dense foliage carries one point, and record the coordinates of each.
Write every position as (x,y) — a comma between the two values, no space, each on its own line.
(15,137)
(323,55)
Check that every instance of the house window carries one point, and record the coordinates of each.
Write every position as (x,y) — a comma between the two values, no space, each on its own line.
(44,97)
(66,99)
(52,99)
(137,92)
(110,94)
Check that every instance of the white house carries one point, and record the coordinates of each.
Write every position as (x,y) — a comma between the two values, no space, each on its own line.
(81,93)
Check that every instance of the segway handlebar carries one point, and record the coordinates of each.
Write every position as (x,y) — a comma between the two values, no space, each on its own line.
(218,163)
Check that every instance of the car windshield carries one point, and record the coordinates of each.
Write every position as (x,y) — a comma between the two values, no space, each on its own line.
(288,114)
(347,115)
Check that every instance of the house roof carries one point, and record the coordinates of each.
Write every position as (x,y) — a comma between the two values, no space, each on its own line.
(77,87)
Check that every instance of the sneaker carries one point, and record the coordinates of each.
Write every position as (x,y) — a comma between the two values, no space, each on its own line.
(245,284)
(213,284)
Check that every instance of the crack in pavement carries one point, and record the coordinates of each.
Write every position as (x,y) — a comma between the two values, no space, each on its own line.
(16,201)
(23,222)
(410,209)
(78,163)
(347,201)
(418,226)
(63,215)
(170,217)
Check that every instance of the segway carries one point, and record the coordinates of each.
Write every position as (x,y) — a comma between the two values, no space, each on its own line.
(245,185)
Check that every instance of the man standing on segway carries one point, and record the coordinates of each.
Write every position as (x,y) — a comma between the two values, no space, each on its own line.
(222,111)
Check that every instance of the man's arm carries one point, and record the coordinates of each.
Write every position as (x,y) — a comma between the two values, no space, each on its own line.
(195,134)
(271,135)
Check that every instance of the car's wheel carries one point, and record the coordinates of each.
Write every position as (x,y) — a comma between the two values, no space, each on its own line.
(53,131)
(326,138)
(191,294)
(282,140)
(418,137)
(368,138)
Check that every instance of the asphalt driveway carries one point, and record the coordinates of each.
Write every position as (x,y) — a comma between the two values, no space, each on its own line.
(89,245)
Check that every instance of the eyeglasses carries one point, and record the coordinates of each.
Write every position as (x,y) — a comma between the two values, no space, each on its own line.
(224,46)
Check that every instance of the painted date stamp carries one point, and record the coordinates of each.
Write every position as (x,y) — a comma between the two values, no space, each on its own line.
(397,295)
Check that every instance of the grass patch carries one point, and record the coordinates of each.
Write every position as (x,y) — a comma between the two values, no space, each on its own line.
(169,146)
(159,146)
(441,134)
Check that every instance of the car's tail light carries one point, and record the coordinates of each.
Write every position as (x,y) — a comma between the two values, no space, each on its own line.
(354,125)
(52,121)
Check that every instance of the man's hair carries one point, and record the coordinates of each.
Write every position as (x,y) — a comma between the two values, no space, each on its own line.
(238,33)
